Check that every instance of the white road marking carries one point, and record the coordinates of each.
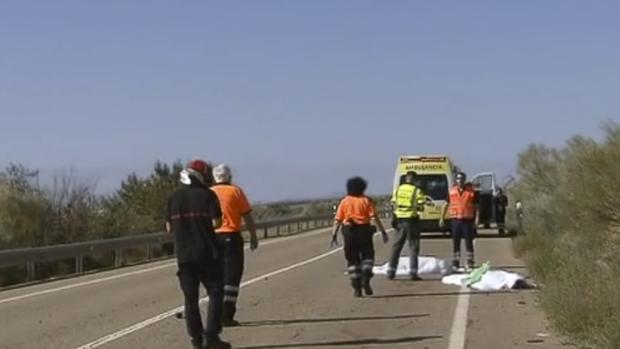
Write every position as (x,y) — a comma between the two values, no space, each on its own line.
(85,283)
(459,324)
(148,322)
(143,271)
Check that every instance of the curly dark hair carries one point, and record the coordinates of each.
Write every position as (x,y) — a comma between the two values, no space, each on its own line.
(356,186)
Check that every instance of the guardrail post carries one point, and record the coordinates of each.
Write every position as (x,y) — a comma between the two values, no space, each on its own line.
(31,269)
(79,264)
(149,252)
(265,232)
(118,254)
(278,230)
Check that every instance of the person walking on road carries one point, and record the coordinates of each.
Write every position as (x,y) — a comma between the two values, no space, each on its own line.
(463,207)
(235,206)
(193,213)
(501,203)
(354,216)
(408,200)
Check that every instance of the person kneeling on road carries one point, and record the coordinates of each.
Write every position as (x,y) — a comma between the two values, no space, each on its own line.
(354,215)
(193,212)
(234,206)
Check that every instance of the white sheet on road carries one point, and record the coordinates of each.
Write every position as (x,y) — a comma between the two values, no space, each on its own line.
(426,266)
(493,280)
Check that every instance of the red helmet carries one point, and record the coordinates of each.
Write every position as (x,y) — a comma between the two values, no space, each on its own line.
(201,168)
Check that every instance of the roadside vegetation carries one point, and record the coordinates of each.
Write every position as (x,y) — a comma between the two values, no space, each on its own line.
(571,234)
(67,211)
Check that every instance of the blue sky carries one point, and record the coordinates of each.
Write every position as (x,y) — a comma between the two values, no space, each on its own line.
(299,95)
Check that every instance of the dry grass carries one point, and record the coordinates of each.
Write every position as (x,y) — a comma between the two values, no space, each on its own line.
(571,235)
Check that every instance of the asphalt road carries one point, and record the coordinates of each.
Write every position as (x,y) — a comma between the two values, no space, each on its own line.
(295,295)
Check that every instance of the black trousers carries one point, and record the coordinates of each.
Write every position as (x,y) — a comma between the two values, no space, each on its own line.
(408,230)
(500,217)
(231,247)
(209,274)
(463,229)
(359,251)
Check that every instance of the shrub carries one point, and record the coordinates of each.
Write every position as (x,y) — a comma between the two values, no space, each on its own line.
(571,234)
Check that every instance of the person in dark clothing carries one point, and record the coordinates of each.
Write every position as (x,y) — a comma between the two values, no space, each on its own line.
(193,214)
(501,202)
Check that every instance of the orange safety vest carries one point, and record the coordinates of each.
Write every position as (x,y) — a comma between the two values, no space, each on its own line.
(462,203)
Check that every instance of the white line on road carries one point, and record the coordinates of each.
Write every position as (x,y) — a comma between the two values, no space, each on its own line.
(85,283)
(459,324)
(138,272)
(136,327)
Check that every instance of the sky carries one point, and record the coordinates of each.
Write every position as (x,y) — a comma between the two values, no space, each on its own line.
(297,96)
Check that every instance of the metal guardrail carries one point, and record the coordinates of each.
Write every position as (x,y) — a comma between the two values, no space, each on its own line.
(78,251)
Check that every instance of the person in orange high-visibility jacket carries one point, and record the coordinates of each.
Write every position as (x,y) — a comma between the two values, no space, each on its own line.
(463,209)
(235,206)
(354,215)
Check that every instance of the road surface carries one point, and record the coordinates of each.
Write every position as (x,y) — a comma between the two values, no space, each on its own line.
(295,295)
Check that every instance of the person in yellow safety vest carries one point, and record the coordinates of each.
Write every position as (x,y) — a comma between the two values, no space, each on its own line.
(408,200)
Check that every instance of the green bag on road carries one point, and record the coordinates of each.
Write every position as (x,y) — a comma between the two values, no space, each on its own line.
(477,274)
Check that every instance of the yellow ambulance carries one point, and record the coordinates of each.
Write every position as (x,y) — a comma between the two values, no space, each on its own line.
(435,178)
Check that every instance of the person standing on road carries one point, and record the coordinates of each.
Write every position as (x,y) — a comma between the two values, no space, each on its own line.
(235,206)
(408,200)
(501,202)
(193,213)
(463,208)
(354,216)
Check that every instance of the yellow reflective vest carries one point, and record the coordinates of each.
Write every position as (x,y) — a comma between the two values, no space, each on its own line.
(408,200)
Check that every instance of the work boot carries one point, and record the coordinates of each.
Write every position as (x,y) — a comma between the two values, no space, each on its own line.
(456,264)
(197,343)
(415,277)
(391,274)
(366,286)
(216,343)
(357,287)
(357,293)
(230,323)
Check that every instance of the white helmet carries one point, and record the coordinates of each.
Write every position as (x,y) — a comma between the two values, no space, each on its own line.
(222,174)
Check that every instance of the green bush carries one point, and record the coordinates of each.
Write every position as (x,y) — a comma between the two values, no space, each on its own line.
(69,211)
(571,234)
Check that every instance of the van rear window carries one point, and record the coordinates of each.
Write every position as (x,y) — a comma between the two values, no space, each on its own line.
(434,185)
